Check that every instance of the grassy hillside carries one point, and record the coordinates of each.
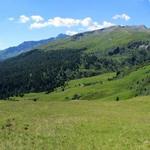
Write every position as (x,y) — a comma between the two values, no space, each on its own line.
(102,87)
(101,40)
(87,54)
(75,125)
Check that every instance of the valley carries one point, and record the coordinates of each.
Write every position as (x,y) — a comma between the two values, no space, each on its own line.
(74,75)
(87,91)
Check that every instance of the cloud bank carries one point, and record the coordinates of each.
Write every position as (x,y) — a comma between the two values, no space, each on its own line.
(72,25)
(87,23)
(122,16)
(79,25)
(24,19)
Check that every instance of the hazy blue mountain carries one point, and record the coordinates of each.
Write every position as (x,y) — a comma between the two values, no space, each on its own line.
(26,46)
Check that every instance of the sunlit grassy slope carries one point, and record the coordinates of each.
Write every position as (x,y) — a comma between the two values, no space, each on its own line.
(102,87)
(75,125)
(101,40)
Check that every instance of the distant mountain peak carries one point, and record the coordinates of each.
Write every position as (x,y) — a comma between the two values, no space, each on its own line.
(61,35)
(27,46)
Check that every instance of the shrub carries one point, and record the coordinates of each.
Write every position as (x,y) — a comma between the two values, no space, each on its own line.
(76,97)
(35,99)
(117,98)
(67,98)
(21,95)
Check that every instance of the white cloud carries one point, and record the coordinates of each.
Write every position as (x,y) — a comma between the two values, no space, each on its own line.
(73,25)
(71,32)
(11,19)
(37,18)
(24,19)
(39,25)
(122,16)
(66,22)
(87,23)
(96,26)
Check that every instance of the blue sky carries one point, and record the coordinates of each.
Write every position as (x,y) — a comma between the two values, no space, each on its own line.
(24,20)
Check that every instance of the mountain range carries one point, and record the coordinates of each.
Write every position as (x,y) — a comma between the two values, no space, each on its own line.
(26,46)
(119,53)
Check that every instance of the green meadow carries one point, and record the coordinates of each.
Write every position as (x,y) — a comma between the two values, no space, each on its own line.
(96,113)
(75,125)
